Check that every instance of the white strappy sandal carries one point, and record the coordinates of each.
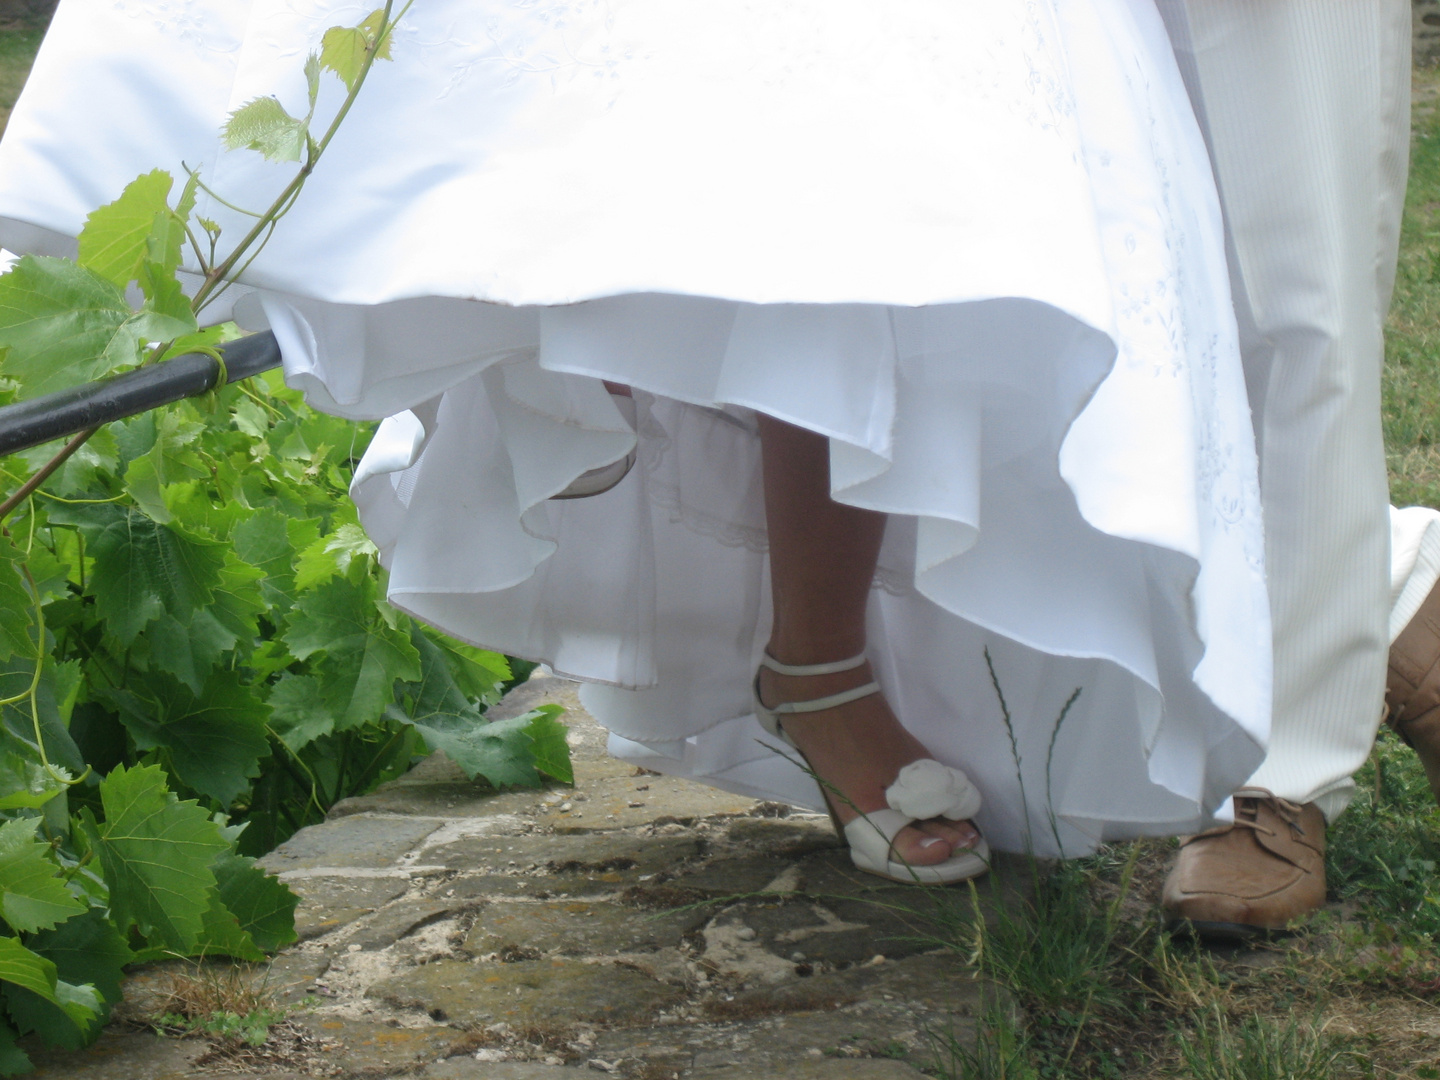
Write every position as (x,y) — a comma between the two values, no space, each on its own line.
(924,789)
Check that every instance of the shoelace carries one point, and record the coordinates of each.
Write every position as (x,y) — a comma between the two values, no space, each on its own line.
(1288,811)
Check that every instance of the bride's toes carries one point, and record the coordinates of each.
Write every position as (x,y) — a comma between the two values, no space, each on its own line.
(918,847)
(958,834)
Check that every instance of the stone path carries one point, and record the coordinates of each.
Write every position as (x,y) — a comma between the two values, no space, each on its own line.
(638,926)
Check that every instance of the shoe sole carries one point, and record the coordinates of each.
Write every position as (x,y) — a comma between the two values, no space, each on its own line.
(599,481)
(1230,933)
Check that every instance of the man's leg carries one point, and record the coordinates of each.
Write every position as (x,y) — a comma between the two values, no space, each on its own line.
(1305,104)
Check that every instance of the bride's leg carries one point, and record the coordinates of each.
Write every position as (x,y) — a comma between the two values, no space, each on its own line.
(822,559)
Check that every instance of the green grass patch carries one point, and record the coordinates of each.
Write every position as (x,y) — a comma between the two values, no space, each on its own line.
(1256,1048)
(1385,849)
(18,44)
(1411,388)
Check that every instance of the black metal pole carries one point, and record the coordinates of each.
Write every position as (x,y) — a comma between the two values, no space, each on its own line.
(57,415)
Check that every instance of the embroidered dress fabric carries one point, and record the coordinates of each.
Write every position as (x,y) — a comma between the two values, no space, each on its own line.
(977,246)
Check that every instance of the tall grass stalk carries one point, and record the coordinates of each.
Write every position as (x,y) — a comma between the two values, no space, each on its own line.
(1261,1049)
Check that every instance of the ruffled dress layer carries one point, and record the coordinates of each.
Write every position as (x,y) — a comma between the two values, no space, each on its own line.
(976,245)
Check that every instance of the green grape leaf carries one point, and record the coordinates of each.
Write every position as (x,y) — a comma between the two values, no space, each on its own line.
(70,1023)
(502,752)
(215,739)
(17,721)
(479,673)
(223,935)
(87,952)
(165,297)
(263,124)
(251,418)
(117,237)
(165,245)
(51,574)
(13,1060)
(68,676)
(238,601)
(65,324)
(188,194)
(372,25)
(312,78)
(136,437)
(549,743)
(343,48)
(32,895)
(30,971)
(263,541)
(144,569)
(188,651)
(299,713)
(333,554)
(156,852)
(15,604)
(22,967)
(144,485)
(362,656)
(436,691)
(262,904)
(85,470)
(23,783)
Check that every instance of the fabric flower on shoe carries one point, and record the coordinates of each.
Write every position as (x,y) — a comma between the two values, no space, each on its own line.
(927,789)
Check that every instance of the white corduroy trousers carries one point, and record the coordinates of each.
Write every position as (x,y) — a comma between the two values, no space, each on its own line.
(1305,104)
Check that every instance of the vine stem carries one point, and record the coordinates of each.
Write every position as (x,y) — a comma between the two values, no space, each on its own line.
(44,472)
(215,275)
(218,273)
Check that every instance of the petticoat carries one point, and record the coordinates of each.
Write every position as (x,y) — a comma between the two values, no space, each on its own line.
(977,245)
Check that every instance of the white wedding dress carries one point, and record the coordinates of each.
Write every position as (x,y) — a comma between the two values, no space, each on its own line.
(977,245)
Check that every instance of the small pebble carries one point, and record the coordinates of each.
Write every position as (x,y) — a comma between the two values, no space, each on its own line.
(565,808)
(746,933)
(353,948)
(797,957)
(877,959)
(635,803)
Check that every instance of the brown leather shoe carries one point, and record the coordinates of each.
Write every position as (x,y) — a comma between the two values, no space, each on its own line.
(1412,688)
(1254,877)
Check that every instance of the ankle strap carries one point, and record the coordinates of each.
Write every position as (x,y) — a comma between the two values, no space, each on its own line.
(790,708)
(768,661)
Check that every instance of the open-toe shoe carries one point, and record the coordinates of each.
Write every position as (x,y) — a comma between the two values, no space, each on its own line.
(923,790)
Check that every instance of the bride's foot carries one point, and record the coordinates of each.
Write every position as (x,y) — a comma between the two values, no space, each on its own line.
(858,749)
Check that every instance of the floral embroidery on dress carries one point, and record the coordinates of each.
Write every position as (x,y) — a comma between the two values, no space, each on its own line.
(186,20)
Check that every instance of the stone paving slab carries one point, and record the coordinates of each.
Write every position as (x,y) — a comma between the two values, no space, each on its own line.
(366,1048)
(549,996)
(364,842)
(636,926)
(579,928)
(120,1054)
